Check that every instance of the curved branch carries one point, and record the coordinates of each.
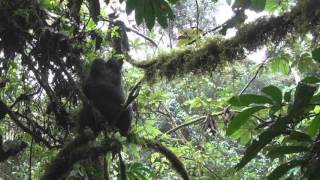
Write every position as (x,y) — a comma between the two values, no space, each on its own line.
(143,36)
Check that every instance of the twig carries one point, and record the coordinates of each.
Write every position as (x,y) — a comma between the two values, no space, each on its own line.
(255,75)
(39,127)
(186,124)
(197,120)
(27,130)
(136,32)
(142,35)
(24,96)
(212,172)
(134,93)
(173,121)
(170,33)
(197,17)
(214,29)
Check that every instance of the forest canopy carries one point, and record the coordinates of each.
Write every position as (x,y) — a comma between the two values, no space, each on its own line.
(159,89)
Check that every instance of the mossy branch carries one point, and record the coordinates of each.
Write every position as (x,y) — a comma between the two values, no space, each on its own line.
(76,150)
(158,147)
(303,18)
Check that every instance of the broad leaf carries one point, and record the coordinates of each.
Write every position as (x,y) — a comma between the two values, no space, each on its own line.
(150,10)
(139,12)
(241,118)
(303,95)
(149,15)
(245,137)
(287,96)
(258,5)
(316,54)
(314,126)
(273,92)
(263,139)
(197,102)
(306,63)
(271,5)
(45,3)
(131,5)
(311,80)
(163,12)
(315,99)
(281,64)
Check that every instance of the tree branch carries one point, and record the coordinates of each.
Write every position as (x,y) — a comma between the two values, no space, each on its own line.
(301,20)
(186,124)
(75,151)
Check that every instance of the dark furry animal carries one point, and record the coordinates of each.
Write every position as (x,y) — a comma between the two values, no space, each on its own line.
(104,89)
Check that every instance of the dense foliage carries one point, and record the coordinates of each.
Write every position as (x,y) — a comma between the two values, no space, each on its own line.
(203,108)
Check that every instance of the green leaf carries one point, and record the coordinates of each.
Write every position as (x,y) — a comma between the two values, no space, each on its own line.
(316,54)
(311,80)
(149,11)
(287,96)
(241,118)
(163,12)
(284,168)
(264,138)
(139,175)
(258,5)
(314,126)
(131,5)
(315,99)
(194,103)
(45,3)
(149,14)
(306,63)
(245,137)
(274,109)
(91,25)
(274,92)
(281,64)
(279,151)
(271,5)
(247,99)
(303,95)
(139,12)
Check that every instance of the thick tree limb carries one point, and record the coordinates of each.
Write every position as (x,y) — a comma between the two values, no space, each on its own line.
(77,150)
(304,18)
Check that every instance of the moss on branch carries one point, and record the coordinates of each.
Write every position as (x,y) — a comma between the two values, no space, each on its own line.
(75,151)
(302,19)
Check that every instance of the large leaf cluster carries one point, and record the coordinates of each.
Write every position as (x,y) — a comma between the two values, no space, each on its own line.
(284,115)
